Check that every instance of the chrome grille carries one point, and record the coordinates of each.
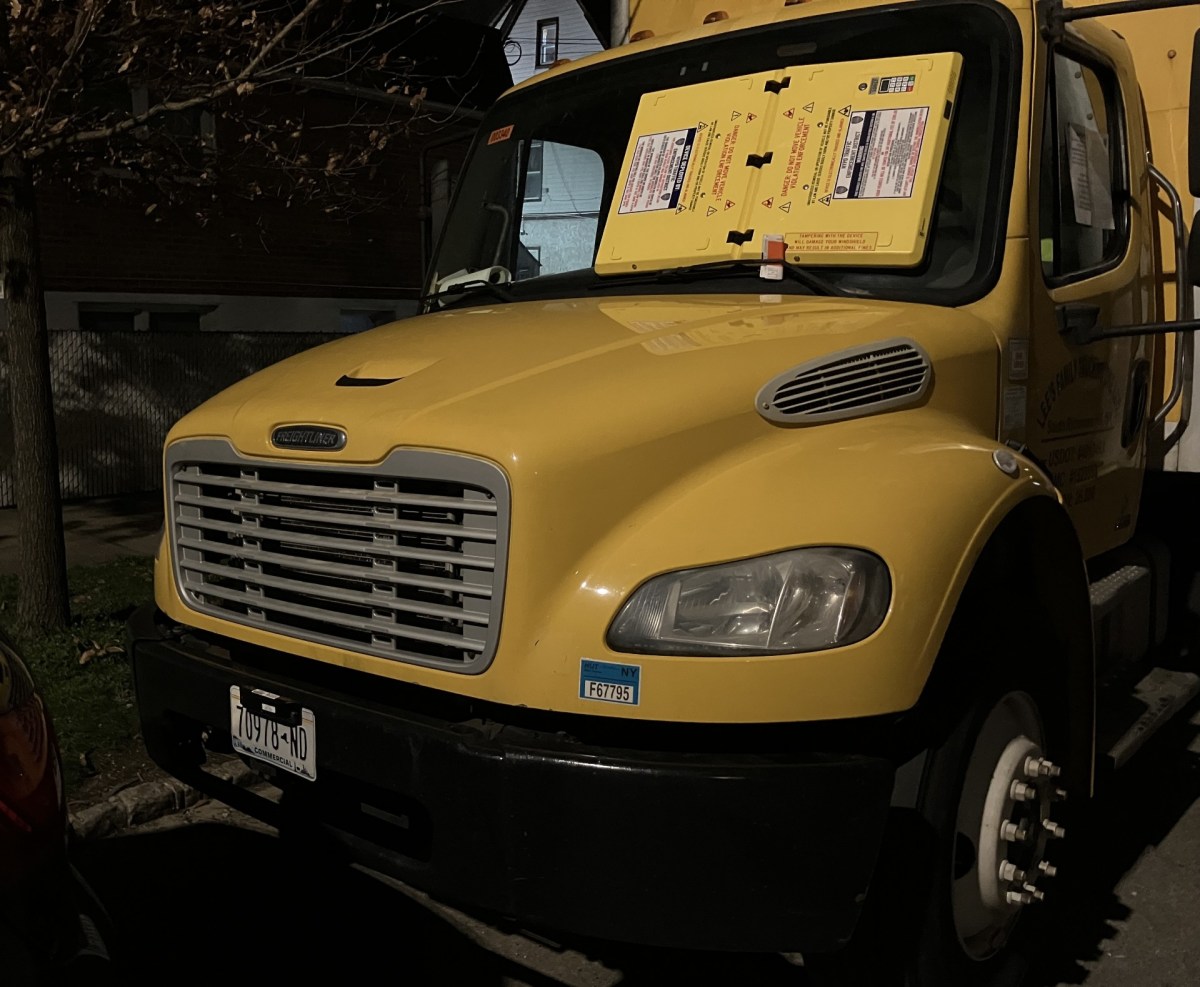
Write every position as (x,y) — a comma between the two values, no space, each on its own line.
(403,560)
(854,382)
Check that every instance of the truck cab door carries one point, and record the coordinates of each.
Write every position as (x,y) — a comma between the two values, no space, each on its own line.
(1089,403)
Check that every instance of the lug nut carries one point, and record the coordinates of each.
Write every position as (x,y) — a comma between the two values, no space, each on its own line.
(1040,767)
(1020,792)
(1014,832)
(1011,872)
(1018,897)
(1047,868)
(1053,828)
(1034,893)
(1060,795)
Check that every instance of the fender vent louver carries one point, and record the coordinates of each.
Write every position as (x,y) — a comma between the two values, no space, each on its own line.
(849,384)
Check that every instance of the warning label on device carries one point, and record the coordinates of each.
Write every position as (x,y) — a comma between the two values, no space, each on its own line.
(656,173)
(814,241)
(879,158)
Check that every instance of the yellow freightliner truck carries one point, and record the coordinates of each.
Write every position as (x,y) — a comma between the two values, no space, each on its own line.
(772,471)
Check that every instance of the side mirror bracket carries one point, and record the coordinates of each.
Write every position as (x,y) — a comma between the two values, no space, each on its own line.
(1078,324)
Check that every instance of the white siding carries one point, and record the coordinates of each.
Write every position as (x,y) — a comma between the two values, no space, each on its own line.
(563,222)
(575,35)
(572,181)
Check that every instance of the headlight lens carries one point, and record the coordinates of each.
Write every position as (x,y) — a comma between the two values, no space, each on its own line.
(807,599)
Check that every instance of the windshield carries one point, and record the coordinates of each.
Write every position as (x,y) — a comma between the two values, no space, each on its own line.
(530,209)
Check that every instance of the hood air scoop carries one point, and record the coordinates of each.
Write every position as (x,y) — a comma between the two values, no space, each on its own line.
(383,370)
(347,381)
(864,380)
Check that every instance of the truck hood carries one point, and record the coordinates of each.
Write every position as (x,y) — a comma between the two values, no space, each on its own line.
(542,383)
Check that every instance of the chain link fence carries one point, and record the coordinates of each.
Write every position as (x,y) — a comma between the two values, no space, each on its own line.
(117,393)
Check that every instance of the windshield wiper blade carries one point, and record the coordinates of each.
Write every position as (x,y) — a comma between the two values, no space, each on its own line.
(466,289)
(692,272)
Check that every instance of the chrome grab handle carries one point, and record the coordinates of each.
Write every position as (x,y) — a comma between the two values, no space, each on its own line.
(1184,341)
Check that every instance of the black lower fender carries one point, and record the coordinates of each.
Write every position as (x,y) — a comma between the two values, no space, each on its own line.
(693,849)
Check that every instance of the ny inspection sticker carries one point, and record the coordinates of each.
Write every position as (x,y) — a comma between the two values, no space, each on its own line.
(608,682)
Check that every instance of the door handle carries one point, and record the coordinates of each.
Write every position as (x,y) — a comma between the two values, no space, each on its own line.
(1076,320)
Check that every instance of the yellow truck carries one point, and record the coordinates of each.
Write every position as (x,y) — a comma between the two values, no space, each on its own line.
(753,530)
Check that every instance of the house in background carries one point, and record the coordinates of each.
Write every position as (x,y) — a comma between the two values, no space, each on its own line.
(563,184)
(537,33)
(151,312)
(261,266)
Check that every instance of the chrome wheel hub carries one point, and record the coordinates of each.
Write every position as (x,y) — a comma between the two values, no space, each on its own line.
(1004,826)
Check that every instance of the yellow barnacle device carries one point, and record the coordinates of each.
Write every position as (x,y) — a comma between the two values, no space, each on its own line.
(841,159)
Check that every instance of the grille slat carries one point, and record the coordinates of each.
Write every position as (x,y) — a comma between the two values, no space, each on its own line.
(853,396)
(251,509)
(341,493)
(325,543)
(841,376)
(816,395)
(860,381)
(382,627)
(366,573)
(854,365)
(403,560)
(301,587)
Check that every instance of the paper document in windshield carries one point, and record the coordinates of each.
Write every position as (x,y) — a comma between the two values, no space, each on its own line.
(841,160)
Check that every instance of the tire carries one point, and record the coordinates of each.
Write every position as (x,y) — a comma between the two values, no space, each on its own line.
(940,912)
(984,896)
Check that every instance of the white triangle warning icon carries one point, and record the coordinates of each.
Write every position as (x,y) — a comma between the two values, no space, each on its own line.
(751,116)
(769,202)
(790,113)
(844,111)
(729,203)
(711,210)
(825,199)
(679,209)
(701,125)
(786,206)
(734,115)
(809,107)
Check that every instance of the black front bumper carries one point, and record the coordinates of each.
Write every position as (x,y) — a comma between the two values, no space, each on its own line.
(661,845)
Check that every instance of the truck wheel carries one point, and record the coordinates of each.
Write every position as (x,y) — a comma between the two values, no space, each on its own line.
(960,880)
(987,794)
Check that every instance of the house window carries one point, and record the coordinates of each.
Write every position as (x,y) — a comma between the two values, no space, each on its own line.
(533,172)
(529,261)
(174,321)
(547,42)
(102,318)
(192,131)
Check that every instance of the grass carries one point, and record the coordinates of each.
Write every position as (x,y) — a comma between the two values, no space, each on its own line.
(92,702)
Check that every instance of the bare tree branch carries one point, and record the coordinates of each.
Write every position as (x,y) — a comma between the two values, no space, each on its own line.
(246,77)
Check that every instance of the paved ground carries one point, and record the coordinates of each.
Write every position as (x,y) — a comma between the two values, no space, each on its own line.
(1134,920)
(219,895)
(95,530)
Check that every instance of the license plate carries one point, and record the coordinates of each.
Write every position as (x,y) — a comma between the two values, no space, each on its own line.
(292,748)
(608,682)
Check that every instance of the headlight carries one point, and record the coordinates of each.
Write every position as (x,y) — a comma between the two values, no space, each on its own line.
(806,599)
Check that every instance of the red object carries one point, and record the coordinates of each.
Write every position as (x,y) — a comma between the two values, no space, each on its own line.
(33,816)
